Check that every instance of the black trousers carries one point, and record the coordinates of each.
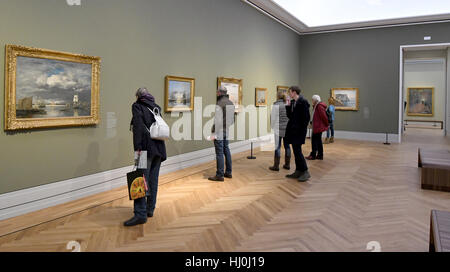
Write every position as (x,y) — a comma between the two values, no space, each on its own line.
(300,162)
(317,146)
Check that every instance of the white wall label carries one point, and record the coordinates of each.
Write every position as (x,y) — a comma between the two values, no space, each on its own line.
(73,2)
(366,113)
(111,124)
(427,38)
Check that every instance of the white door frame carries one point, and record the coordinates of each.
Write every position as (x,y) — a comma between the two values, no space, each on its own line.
(429,46)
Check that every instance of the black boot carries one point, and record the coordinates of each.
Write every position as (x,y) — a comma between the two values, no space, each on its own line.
(287,162)
(135,221)
(304,176)
(294,175)
(216,178)
(276,164)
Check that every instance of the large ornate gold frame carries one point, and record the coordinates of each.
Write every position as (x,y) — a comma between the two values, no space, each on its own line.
(14,123)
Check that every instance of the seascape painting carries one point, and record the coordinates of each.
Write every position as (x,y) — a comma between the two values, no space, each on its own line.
(346,98)
(179,94)
(47,88)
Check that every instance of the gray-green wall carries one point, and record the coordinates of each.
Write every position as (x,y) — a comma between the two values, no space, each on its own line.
(365,59)
(140,42)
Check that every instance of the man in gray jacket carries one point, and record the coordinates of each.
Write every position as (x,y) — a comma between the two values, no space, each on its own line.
(223,119)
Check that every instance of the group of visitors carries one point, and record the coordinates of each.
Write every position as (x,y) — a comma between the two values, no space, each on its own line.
(290,120)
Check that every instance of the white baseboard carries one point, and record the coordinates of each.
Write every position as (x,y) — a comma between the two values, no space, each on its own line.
(366,136)
(33,199)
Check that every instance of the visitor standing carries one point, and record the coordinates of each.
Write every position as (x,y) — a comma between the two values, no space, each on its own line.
(296,129)
(330,114)
(278,122)
(156,153)
(319,125)
(223,119)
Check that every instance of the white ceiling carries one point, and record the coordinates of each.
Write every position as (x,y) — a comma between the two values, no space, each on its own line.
(312,16)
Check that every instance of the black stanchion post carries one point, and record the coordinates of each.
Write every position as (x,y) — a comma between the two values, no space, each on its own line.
(387,140)
(251,157)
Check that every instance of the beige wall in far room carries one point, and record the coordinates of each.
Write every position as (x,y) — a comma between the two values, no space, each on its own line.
(139,42)
(427,69)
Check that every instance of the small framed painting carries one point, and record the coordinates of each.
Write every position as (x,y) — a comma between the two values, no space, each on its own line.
(285,90)
(347,99)
(282,88)
(260,97)
(179,94)
(46,89)
(420,101)
(234,90)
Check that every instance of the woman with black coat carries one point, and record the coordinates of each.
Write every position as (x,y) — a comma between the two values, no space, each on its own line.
(156,154)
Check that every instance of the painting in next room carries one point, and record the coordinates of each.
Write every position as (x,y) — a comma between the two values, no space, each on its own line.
(420,101)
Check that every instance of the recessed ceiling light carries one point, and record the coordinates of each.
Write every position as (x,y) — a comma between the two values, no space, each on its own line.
(316,13)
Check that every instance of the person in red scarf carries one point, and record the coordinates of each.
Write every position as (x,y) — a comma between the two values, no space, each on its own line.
(319,125)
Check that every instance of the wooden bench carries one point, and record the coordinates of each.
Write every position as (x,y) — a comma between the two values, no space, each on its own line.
(440,231)
(435,166)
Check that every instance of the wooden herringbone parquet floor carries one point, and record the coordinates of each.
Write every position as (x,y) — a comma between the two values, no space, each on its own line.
(361,192)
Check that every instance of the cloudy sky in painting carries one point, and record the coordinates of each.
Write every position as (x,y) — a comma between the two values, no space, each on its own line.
(52,80)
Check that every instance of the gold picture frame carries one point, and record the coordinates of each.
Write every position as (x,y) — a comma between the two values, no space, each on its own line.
(54,85)
(347,99)
(283,88)
(423,97)
(234,87)
(179,94)
(260,101)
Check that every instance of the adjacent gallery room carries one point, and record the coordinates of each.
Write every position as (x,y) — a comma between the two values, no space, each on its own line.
(225,126)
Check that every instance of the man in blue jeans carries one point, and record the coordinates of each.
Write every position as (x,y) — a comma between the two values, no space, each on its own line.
(223,119)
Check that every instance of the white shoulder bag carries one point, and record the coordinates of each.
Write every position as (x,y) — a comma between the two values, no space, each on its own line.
(159,130)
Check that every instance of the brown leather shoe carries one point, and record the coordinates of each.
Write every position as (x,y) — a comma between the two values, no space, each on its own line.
(311,158)
(216,178)
(228,176)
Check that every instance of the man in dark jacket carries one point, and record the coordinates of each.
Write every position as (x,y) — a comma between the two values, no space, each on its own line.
(223,119)
(156,153)
(298,114)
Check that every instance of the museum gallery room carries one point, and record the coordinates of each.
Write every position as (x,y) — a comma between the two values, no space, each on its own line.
(225,126)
